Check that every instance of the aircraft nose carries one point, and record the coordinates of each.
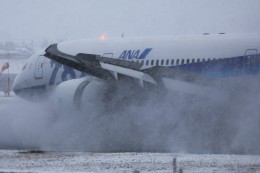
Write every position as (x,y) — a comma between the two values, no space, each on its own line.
(20,83)
(15,89)
(16,85)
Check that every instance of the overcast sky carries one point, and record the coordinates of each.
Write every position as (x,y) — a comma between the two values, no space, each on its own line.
(73,19)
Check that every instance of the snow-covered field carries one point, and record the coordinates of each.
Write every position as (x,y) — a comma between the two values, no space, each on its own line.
(17,161)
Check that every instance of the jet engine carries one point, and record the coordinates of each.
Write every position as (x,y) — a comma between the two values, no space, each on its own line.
(73,94)
(93,93)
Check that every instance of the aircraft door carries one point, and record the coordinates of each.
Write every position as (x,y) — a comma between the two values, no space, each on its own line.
(38,73)
(249,60)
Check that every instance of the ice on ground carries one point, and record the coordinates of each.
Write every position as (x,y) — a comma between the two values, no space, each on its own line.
(125,162)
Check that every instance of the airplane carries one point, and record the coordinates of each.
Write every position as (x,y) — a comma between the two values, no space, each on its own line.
(69,69)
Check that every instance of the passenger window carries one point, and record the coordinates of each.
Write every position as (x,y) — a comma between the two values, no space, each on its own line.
(198,60)
(157,62)
(172,62)
(167,62)
(208,59)
(182,61)
(147,62)
(162,62)
(152,62)
(193,60)
(188,61)
(177,62)
(203,60)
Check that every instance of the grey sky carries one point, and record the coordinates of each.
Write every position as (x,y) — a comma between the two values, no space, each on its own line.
(73,19)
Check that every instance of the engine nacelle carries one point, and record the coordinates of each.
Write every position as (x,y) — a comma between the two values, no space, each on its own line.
(73,94)
(91,93)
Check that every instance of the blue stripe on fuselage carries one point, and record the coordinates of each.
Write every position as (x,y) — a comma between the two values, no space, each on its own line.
(223,67)
(145,53)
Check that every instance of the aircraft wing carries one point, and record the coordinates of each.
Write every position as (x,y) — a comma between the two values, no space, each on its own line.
(101,67)
(110,68)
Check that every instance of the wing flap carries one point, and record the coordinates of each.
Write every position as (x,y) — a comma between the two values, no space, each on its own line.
(129,72)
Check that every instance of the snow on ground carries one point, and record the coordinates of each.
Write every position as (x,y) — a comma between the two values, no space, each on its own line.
(11,161)
(22,161)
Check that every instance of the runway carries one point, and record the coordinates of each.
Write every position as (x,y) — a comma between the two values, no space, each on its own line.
(23,161)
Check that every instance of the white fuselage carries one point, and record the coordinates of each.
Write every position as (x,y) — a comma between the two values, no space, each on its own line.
(41,72)
(168,47)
